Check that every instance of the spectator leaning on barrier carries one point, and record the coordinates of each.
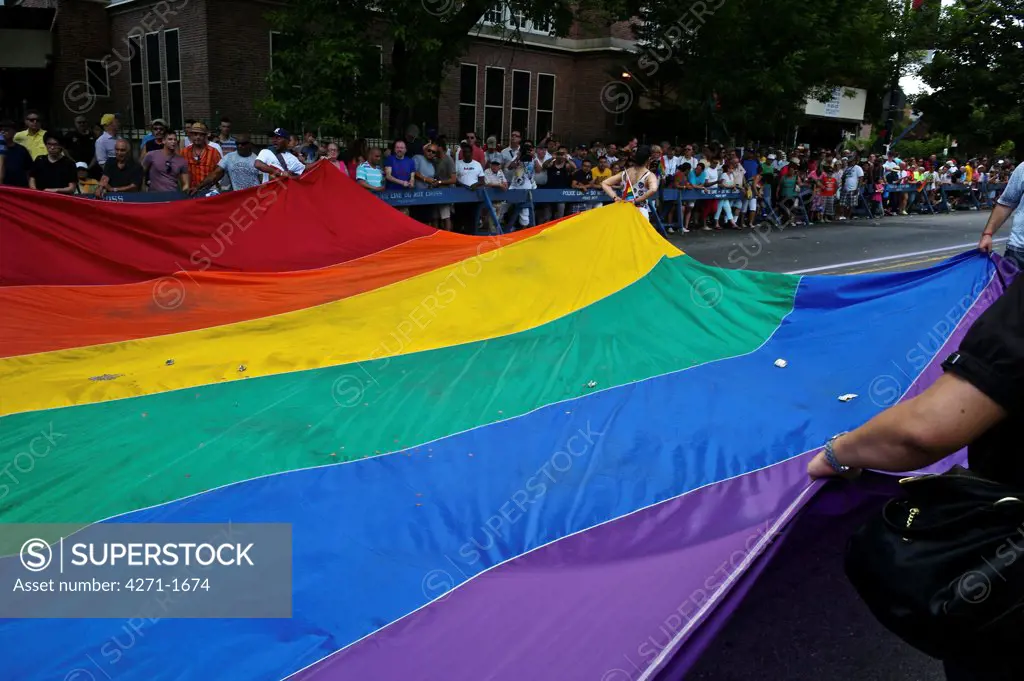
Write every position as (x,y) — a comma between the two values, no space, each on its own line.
(423,176)
(80,144)
(398,168)
(53,171)
(369,174)
(33,136)
(120,173)
(17,160)
(1008,203)
(106,142)
(277,161)
(165,170)
(86,185)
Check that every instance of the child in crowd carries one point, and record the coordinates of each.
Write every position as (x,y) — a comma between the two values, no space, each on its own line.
(86,185)
(876,200)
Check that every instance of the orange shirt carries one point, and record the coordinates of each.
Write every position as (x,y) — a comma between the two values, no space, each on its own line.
(201,166)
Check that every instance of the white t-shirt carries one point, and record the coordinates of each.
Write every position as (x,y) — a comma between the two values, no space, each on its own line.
(711,174)
(671,164)
(468,173)
(852,175)
(295,166)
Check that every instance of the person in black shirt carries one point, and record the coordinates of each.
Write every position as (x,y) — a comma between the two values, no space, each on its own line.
(80,143)
(560,172)
(159,127)
(17,160)
(977,403)
(54,172)
(121,173)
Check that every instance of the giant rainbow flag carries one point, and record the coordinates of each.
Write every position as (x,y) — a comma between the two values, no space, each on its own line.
(557,454)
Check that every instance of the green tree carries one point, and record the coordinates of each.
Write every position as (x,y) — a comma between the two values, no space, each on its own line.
(976,74)
(742,69)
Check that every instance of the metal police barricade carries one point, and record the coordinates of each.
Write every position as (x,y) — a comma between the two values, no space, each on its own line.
(944,190)
(681,195)
(918,194)
(985,187)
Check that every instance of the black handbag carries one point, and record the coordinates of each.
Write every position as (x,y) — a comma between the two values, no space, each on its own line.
(942,566)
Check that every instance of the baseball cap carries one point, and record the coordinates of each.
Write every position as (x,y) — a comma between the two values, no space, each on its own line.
(107,119)
(279,132)
(771,157)
(495,162)
(158,121)
(83,165)
(465,143)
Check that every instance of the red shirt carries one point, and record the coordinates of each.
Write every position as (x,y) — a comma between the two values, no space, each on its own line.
(829,186)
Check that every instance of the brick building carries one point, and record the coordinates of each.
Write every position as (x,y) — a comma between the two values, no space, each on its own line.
(178,59)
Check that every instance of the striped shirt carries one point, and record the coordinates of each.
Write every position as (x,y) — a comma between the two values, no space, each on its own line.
(372,176)
(202,164)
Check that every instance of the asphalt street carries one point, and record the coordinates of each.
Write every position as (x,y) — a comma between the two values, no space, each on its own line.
(848,247)
(802,621)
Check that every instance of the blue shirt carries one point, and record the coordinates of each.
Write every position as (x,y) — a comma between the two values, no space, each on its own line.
(751,168)
(698,180)
(401,169)
(1011,198)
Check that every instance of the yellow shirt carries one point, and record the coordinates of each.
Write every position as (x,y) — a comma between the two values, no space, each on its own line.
(968,174)
(600,175)
(34,143)
(87,187)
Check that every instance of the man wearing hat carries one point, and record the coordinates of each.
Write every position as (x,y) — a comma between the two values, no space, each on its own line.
(154,140)
(276,161)
(201,156)
(106,142)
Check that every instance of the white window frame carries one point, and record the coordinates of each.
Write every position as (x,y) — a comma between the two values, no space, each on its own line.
(492,106)
(512,106)
(508,23)
(106,74)
(166,78)
(476,95)
(150,80)
(536,104)
(132,84)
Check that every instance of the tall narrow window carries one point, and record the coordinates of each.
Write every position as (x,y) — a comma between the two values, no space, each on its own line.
(494,101)
(275,42)
(521,102)
(135,79)
(97,77)
(154,76)
(545,104)
(172,56)
(467,99)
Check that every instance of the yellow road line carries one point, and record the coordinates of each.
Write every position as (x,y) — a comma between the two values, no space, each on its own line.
(900,263)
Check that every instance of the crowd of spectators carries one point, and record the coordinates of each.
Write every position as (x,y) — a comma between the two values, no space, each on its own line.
(784,186)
